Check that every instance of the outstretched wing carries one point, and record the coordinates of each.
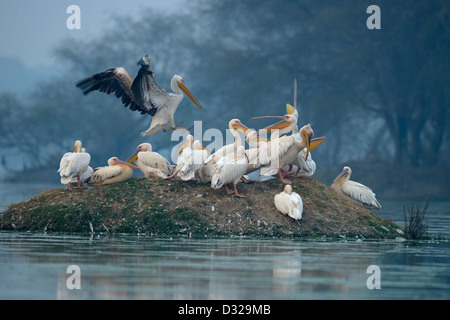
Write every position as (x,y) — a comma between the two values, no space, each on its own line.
(149,96)
(114,80)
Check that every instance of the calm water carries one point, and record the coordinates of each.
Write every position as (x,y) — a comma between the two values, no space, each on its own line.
(34,266)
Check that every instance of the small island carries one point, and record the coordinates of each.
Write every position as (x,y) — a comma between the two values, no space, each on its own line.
(188,208)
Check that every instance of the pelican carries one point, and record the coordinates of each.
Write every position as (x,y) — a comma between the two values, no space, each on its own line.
(116,171)
(191,160)
(84,176)
(289,203)
(283,151)
(152,164)
(307,166)
(142,93)
(73,165)
(354,191)
(252,153)
(229,169)
(234,125)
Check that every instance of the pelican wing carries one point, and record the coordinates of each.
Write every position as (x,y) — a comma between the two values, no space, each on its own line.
(73,164)
(149,96)
(269,153)
(155,160)
(360,193)
(102,174)
(307,167)
(228,169)
(114,80)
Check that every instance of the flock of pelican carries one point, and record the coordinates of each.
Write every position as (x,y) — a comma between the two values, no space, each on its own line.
(286,153)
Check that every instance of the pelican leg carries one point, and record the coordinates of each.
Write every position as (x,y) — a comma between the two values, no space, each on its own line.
(286,173)
(78,185)
(228,190)
(236,193)
(281,177)
(245,180)
(177,127)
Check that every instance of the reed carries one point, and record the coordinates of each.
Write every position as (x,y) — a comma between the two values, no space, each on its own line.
(414,220)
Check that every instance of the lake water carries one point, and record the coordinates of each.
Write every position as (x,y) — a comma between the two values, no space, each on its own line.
(35,266)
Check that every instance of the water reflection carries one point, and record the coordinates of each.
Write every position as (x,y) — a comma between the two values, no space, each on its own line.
(130,267)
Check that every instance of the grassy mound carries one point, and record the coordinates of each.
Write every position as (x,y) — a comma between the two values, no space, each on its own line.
(164,208)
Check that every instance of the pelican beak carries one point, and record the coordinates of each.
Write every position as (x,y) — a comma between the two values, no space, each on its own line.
(133,157)
(125,163)
(289,109)
(241,127)
(74,149)
(184,145)
(207,150)
(342,174)
(279,125)
(189,94)
(311,144)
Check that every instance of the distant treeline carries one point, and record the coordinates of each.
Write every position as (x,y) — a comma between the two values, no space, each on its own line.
(380,94)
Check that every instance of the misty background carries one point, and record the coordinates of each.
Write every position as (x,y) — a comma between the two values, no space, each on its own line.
(380,96)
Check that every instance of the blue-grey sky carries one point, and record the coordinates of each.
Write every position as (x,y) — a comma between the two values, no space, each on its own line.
(30,30)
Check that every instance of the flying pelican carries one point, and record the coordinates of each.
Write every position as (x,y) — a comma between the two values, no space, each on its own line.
(116,171)
(152,164)
(289,203)
(229,169)
(73,165)
(354,191)
(142,93)
(191,160)
(234,125)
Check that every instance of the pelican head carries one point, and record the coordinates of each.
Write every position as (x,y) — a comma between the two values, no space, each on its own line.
(178,82)
(78,146)
(144,147)
(116,161)
(236,124)
(288,189)
(188,142)
(146,61)
(287,123)
(344,175)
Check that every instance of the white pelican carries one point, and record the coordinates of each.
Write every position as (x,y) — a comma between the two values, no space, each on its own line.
(354,191)
(191,160)
(116,171)
(234,125)
(73,165)
(289,203)
(152,164)
(142,93)
(84,176)
(253,153)
(230,169)
(305,166)
(283,151)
